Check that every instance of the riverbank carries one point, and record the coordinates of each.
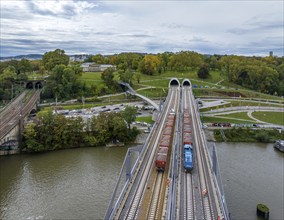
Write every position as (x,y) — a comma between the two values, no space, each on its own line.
(243,135)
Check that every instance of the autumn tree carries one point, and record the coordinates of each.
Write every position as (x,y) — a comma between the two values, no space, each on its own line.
(150,65)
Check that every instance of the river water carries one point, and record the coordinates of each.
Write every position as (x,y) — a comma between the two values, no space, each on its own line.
(252,173)
(78,183)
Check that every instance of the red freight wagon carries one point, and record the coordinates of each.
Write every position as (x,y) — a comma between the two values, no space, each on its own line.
(186,126)
(161,162)
(165,143)
(186,130)
(186,121)
(166,137)
(163,150)
(187,135)
(187,140)
(168,131)
(170,123)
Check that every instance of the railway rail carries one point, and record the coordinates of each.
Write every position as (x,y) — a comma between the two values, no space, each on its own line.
(173,193)
(150,185)
(10,118)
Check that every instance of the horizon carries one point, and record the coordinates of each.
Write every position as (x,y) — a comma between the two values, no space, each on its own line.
(110,54)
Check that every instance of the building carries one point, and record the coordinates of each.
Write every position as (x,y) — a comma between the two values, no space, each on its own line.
(94,67)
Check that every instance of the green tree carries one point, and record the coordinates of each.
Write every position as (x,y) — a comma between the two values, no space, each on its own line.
(98,58)
(203,72)
(126,76)
(64,83)
(53,58)
(8,75)
(31,138)
(138,77)
(108,78)
(25,66)
(129,114)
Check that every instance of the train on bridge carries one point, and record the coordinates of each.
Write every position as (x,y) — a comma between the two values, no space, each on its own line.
(187,143)
(165,143)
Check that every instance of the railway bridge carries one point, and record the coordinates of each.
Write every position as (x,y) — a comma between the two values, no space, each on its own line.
(13,116)
(172,194)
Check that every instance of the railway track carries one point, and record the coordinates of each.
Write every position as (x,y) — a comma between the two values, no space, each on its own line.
(187,185)
(144,197)
(149,195)
(205,187)
(9,119)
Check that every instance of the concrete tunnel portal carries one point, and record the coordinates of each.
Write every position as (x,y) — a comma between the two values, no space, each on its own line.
(174,82)
(186,82)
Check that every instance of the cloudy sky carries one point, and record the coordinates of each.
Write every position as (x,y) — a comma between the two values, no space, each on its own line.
(108,27)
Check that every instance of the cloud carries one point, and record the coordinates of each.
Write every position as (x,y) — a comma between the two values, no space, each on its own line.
(59,8)
(109,27)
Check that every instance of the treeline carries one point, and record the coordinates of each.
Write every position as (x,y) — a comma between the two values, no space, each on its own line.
(263,74)
(53,132)
(248,135)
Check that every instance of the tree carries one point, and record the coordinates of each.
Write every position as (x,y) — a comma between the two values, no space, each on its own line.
(25,66)
(53,58)
(203,72)
(126,76)
(64,82)
(129,115)
(9,75)
(98,58)
(138,77)
(31,138)
(108,77)
(150,64)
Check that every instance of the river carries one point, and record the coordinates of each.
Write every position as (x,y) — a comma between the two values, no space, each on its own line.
(252,173)
(78,183)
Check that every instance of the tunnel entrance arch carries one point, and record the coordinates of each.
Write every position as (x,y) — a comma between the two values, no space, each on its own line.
(174,82)
(38,85)
(186,82)
(29,85)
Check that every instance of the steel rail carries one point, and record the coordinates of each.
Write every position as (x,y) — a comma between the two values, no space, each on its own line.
(205,186)
(137,199)
(10,122)
(142,165)
(188,182)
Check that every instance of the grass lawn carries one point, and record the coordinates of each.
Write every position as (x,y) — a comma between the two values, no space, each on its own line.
(206,119)
(154,92)
(270,117)
(239,115)
(92,78)
(147,119)
(241,103)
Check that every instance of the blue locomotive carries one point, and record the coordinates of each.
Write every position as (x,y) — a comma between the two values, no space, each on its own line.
(188,158)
